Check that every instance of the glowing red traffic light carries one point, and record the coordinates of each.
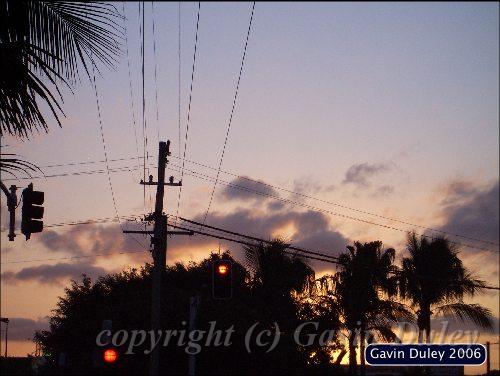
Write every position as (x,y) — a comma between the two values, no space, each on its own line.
(110,356)
(222,269)
(222,279)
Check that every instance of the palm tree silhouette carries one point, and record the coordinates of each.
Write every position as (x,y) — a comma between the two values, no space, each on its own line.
(364,287)
(435,281)
(278,278)
(42,43)
(278,281)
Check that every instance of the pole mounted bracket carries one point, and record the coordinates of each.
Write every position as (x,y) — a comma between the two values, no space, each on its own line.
(11,205)
(170,182)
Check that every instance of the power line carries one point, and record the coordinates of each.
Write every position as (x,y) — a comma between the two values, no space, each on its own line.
(78,173)
(93,221)
(89,162)
(189,104)
(106,153)
(333,261)
(70,257)
(104,143)
(260,182)
(341,205)
(179,77)
(144,122)
(130,86)
(295,203)
(232,113)
(156,81)
(299,249)
(253,191)
(244,242)
(305,253)
(90,221)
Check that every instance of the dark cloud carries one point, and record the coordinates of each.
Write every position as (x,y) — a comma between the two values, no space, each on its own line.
(276,205)
(361,173)
(55,274)
(307,185)
(89,239)
(313,229)
(472,211)
(21,329)
(384,190)
(230,193)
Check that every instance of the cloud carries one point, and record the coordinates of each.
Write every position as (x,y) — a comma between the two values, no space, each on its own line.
(276,205)
(21,329)
(472,211)
(55,274)
(313,229)
(361,173)
(6,250)
(88,239)
(304,228)
(384,190)
(248,191)
(307,185)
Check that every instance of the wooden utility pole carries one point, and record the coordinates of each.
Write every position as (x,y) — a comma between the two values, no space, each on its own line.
(159,242)
(159,255)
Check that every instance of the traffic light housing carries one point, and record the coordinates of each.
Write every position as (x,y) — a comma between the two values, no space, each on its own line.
(110,355)
(32,211)
(222,279)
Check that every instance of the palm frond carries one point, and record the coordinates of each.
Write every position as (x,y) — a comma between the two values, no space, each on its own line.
(9,164)
(42,44)
(21,90)
(384,332)
(74,32)
(476,313)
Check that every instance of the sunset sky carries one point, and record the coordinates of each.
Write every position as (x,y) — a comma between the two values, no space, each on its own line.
(390,109)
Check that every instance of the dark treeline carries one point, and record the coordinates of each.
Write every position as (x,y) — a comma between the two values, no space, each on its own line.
(360,303)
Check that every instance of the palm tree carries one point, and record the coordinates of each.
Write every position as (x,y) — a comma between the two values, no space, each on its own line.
(435,281)
(364,286)
(278,275)
(278,282)
(42,44)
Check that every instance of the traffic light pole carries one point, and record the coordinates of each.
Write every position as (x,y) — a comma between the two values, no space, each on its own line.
(159,241)
(194,302)
(11,206)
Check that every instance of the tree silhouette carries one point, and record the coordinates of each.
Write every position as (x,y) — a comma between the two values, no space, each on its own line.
(42,43)
(125,298)
(363,289)
(281,284)
(435,281)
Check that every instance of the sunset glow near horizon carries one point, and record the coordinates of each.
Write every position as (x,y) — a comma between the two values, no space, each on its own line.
(385,113)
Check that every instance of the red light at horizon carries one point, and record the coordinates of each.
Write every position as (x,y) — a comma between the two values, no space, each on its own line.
(110,356)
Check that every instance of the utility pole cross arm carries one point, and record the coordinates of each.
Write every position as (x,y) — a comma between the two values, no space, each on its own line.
(190,233)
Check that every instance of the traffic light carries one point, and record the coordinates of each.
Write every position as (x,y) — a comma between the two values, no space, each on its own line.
(32,211)
(222,279)
(110,355)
